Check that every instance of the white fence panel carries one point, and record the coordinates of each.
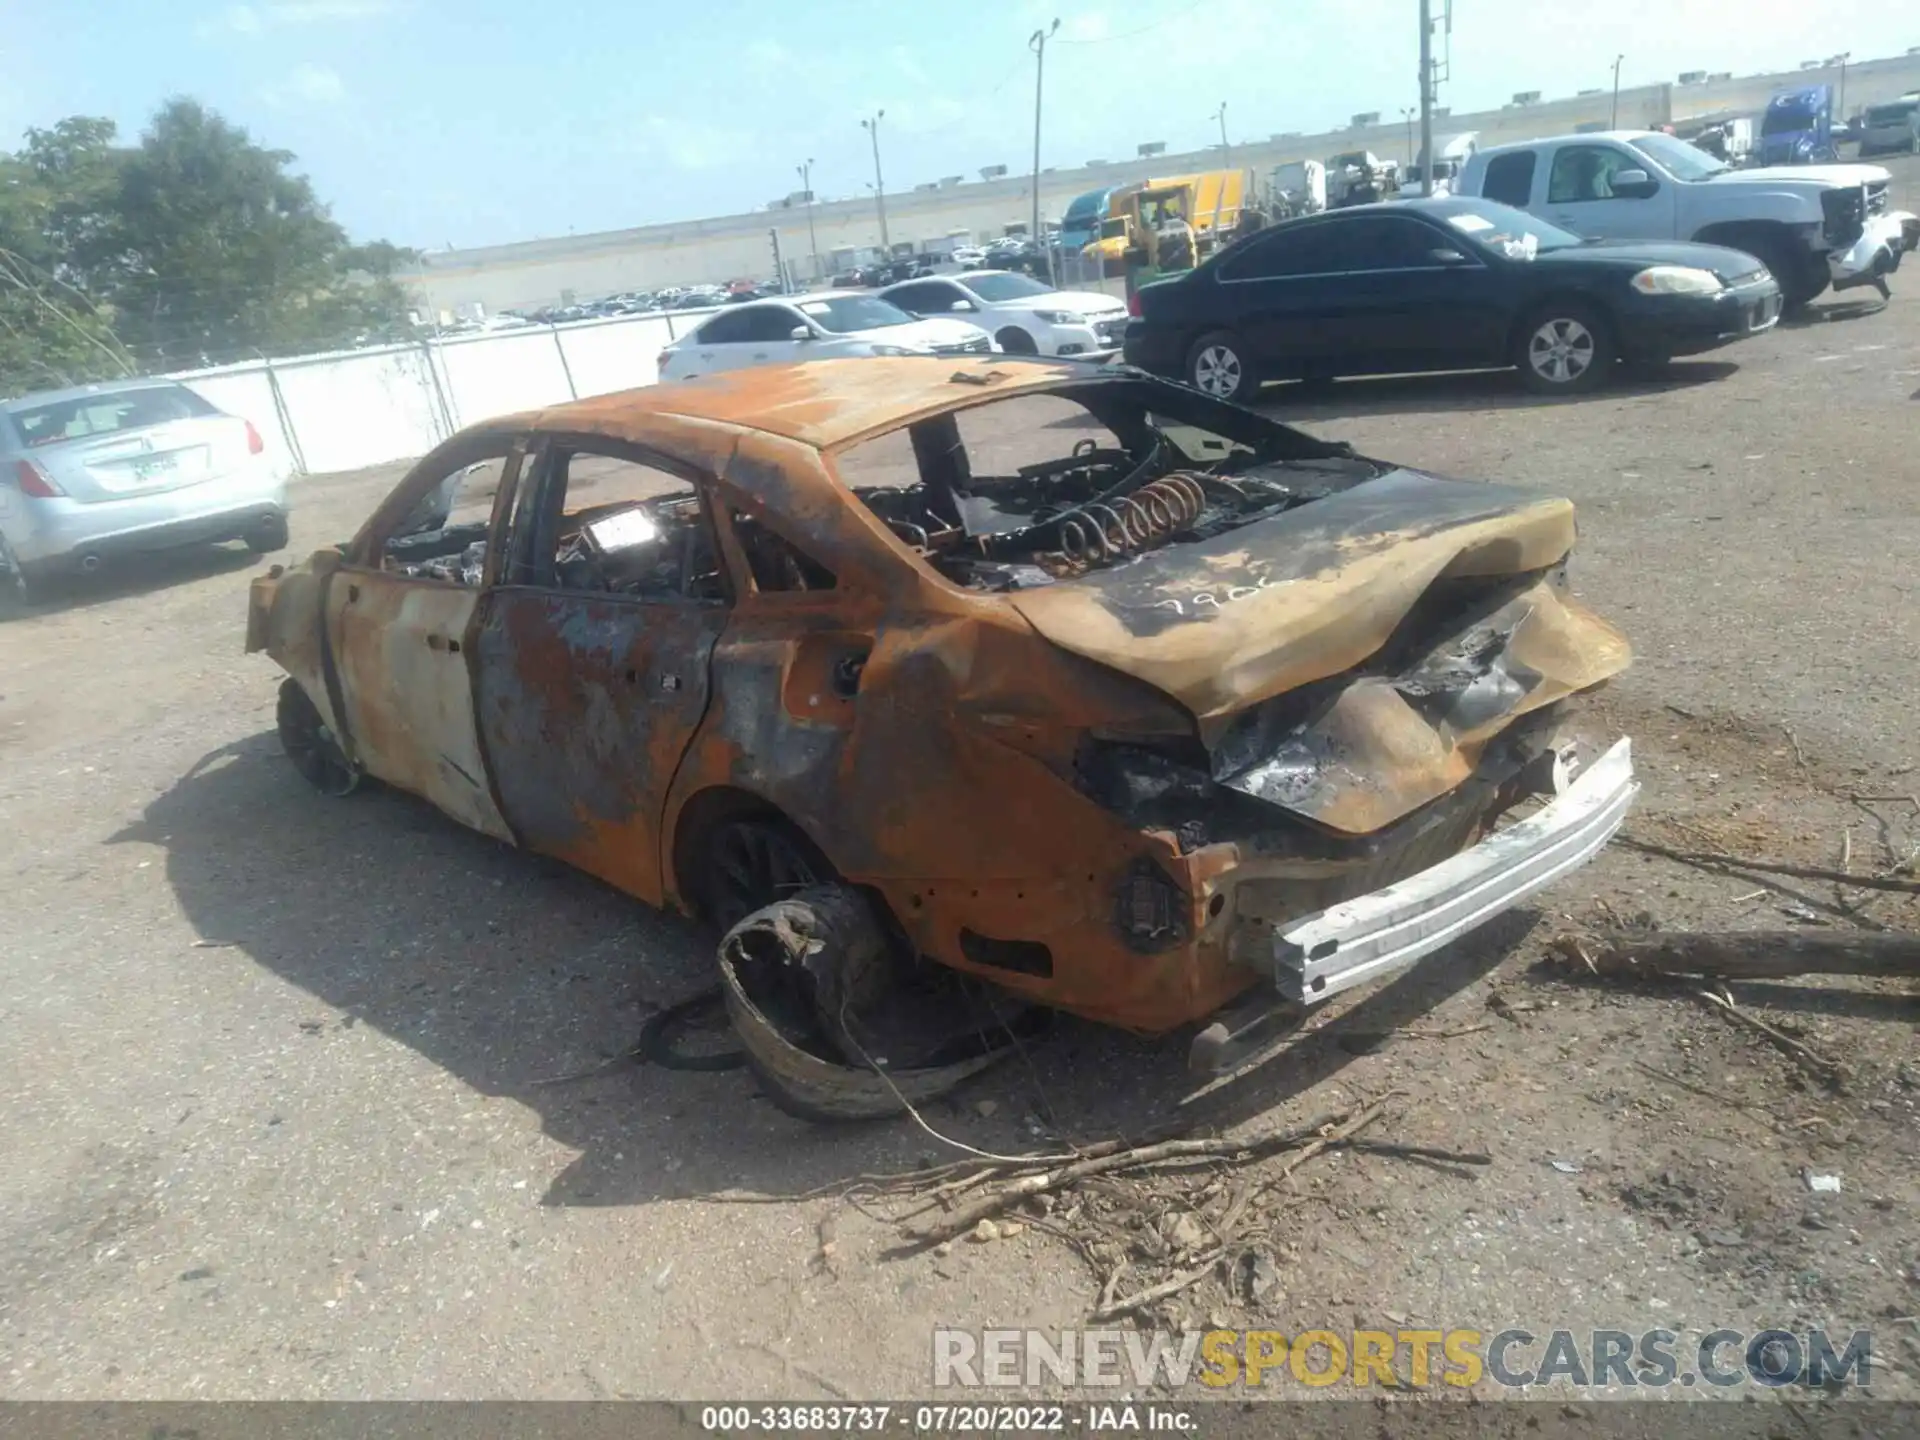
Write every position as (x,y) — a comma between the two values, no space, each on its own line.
(502,372)
(615,354)
(360,408)
(367,408)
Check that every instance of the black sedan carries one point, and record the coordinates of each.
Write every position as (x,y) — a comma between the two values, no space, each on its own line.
(1444,284)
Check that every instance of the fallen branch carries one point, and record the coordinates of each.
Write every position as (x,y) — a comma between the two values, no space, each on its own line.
(1746,954)
(1823,1069)
(958,1222)
(1161,1291)
(1715,860)
(1420,1152)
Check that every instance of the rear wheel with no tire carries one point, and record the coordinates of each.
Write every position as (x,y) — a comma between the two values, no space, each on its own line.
(753,862)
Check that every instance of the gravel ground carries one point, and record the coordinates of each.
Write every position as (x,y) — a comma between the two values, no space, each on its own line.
(271,1066)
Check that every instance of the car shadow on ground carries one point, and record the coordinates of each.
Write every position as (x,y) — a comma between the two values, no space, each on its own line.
(1465,390)
(526,980)
(135,575)
(1835,310)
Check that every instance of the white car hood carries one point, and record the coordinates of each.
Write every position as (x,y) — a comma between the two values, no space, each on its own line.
(1827,177)
(1076,302)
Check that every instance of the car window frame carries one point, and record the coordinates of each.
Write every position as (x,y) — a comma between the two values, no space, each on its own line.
(368,545)
(722,318)
(1316,228)
(782,318)
(542,504)
(1633,161)
(1405,221)
(1531,155)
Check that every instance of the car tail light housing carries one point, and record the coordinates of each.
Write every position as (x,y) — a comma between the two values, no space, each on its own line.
(660,361)
(34,481)
(1149,909)
(1133,303)
(255,445)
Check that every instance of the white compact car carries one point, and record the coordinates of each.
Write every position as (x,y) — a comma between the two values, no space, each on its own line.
(1025,316)
(826,325)
(91,474)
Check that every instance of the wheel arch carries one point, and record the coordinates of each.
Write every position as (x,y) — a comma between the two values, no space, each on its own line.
(698,815)
(1528,314)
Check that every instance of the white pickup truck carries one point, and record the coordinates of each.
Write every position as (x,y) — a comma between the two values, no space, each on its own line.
(1812,225)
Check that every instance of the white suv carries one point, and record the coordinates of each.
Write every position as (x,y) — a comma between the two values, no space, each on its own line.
(1025,316)
(827,325)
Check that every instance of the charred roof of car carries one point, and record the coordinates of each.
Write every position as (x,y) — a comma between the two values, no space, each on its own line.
(825,403)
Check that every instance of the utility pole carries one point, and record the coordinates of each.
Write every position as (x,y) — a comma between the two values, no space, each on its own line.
(1426,94)
(813,242)
(1614,122)
(1840,107)
(1037,42)
(1407,112)
(872,127)
(1226,150)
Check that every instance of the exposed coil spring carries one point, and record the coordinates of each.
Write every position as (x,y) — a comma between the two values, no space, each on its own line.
(1104,532)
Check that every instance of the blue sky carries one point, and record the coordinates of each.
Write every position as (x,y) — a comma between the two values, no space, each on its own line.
(430,122)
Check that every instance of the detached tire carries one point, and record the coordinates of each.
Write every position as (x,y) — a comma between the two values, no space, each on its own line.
(1217,365)
(795,975)
(1564,347)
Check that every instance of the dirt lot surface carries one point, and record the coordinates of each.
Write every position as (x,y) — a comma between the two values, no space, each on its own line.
(274,1069)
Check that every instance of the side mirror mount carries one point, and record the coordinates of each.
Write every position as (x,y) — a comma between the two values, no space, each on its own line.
(800,332)
(1446,255)
(961,307)
(1632,184)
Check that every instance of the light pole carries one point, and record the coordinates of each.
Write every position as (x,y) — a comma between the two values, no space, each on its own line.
(1840,106)
(1407,113)
(872,127)
(813,243)
(1426,93)
(1037,42)
(1226,151)
(1614,122)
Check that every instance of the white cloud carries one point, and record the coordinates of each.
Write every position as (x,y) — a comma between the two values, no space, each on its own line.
(690,146)
(1087,26)
(305,87)
(257,19)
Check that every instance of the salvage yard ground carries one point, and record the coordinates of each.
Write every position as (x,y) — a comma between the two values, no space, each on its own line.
(284,1082)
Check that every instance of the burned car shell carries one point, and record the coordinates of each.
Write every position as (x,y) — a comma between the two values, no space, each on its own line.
(1101,795)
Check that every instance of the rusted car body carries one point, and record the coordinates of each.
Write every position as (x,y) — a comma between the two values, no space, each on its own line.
(1105,732)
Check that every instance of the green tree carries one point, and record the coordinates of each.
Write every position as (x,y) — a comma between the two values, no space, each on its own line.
(52,196)
(221,250)
(192,247)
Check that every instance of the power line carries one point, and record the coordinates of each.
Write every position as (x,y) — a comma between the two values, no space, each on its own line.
(1143,30)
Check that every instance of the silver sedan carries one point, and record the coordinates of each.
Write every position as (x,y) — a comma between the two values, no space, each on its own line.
(95,473)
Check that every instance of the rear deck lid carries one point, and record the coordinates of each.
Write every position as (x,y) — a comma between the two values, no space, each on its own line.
(120,444)
(1225,623)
